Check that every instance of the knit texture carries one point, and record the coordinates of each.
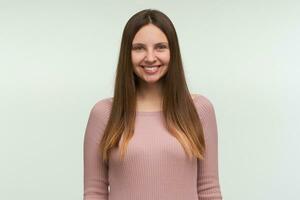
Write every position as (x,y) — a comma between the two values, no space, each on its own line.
(155,166)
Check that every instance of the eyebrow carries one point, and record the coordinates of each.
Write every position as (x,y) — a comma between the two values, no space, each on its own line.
(154,44)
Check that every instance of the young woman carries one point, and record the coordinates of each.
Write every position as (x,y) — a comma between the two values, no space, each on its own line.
(152,140)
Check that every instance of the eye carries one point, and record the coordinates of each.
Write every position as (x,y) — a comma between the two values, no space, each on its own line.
(162,46)
(137,48)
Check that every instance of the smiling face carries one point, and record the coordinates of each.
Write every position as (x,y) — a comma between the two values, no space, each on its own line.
(150,48)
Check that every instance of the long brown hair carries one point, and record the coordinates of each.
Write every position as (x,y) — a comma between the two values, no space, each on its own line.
(180,115)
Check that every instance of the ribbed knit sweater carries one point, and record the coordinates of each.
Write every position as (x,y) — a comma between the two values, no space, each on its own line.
(155,166)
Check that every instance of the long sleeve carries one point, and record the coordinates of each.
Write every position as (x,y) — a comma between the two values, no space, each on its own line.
(208,186)
(95,173)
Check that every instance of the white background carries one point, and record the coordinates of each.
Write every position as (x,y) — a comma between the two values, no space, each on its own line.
(58,58)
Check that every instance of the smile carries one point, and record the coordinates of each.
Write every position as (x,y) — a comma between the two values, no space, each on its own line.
(150,66)
(150,70)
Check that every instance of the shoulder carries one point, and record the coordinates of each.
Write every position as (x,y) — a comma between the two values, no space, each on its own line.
(203,104)
(102,107)
(202,100)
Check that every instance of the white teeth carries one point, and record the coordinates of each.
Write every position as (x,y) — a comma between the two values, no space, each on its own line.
(150,67)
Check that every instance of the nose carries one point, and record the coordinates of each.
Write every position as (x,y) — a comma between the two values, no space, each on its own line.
(150,56)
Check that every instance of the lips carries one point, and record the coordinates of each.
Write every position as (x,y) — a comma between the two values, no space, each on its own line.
(151,70)
(150,66)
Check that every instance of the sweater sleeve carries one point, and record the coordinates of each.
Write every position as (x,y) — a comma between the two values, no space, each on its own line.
(95,172)
(207,170)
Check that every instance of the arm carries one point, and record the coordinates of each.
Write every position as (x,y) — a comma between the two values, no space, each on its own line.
(95,173)
(208,179)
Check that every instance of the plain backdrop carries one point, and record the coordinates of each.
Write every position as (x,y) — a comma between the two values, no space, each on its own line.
(58,58)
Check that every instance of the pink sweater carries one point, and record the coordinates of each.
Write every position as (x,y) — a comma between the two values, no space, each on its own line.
(155,166)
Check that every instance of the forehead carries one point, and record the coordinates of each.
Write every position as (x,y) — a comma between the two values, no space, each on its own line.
(149,34)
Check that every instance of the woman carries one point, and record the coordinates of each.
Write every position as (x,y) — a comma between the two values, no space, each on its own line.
(153,140)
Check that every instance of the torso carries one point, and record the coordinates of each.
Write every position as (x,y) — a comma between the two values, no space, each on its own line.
(145,107)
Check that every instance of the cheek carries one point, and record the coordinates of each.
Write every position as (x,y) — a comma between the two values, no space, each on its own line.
(136,58)
(165,57)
